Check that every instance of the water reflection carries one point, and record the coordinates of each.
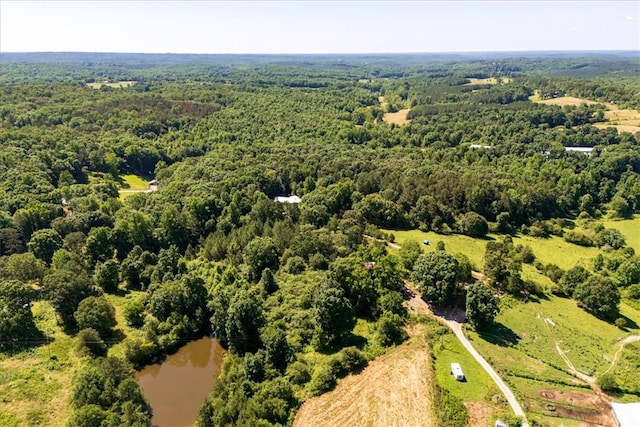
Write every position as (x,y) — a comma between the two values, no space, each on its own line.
(176,388)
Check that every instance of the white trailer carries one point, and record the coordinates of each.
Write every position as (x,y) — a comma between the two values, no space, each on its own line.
(456,371)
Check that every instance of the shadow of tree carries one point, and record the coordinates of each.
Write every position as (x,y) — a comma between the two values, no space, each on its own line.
(628,322)
(499,334)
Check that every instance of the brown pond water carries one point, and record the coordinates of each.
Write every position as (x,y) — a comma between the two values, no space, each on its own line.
(176,388)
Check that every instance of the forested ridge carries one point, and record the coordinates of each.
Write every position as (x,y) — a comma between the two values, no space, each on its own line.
(283,285)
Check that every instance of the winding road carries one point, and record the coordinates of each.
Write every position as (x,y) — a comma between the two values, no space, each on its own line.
(453,321)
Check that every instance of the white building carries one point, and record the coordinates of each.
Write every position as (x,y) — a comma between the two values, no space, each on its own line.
(626,414)
(284,199)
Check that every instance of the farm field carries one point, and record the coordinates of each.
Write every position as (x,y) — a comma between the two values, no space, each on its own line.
(624,120)
(395,389)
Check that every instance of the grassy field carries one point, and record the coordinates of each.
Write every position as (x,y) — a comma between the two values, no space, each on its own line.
(35,383)
(454,243)
(487,81)
(630,228)
(567,100)
(134,182)
(482,397)
(124,83)
(522,348)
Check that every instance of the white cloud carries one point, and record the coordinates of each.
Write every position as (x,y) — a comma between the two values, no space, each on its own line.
(629,18)
(572,29)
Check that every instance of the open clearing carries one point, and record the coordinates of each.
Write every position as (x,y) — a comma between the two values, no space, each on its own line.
(123,83)
(134,184)
(394,390)
(487,81)
(568,100)
(622,120)
(399,117)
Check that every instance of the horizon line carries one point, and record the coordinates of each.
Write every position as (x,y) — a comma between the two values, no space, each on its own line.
(326,53)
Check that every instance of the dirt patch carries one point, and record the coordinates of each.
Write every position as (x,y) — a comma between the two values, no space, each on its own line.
(399,117)
(479,413)
(394,390)
(585,407)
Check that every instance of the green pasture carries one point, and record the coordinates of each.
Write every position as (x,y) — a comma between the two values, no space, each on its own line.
(447,350)
(134,182)
(35,383)
(630,228)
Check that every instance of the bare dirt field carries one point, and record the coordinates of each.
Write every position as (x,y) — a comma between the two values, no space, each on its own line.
(394,390)
(588,408)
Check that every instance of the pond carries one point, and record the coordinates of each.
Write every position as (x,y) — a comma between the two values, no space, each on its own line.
(176,388)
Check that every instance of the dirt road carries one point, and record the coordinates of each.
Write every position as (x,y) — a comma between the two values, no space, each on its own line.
(453,319)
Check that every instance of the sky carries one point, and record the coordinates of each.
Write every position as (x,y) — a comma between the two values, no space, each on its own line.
(317,26)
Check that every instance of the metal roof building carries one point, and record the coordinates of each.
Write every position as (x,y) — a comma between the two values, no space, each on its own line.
(626,414)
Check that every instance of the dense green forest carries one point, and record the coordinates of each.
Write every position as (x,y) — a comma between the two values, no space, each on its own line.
(210,252)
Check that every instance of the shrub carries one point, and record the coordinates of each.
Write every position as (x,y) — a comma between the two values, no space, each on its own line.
(578,238)
(607,382)
(298,373)
(527,254)
(90,343)
(134,312)
(621,323)
(352,360)
(323,380)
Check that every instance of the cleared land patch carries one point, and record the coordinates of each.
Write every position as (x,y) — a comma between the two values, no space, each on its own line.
(394,390)
(568,100)
(487,81)
(123,83)
(399,117)
(624,120)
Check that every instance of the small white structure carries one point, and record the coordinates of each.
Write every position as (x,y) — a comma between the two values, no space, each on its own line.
(480,146)
(284,199)
(584,150)
(626,414)
(500,423)
(456,371)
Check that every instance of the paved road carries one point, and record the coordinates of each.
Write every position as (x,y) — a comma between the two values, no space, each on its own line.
(452,320)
